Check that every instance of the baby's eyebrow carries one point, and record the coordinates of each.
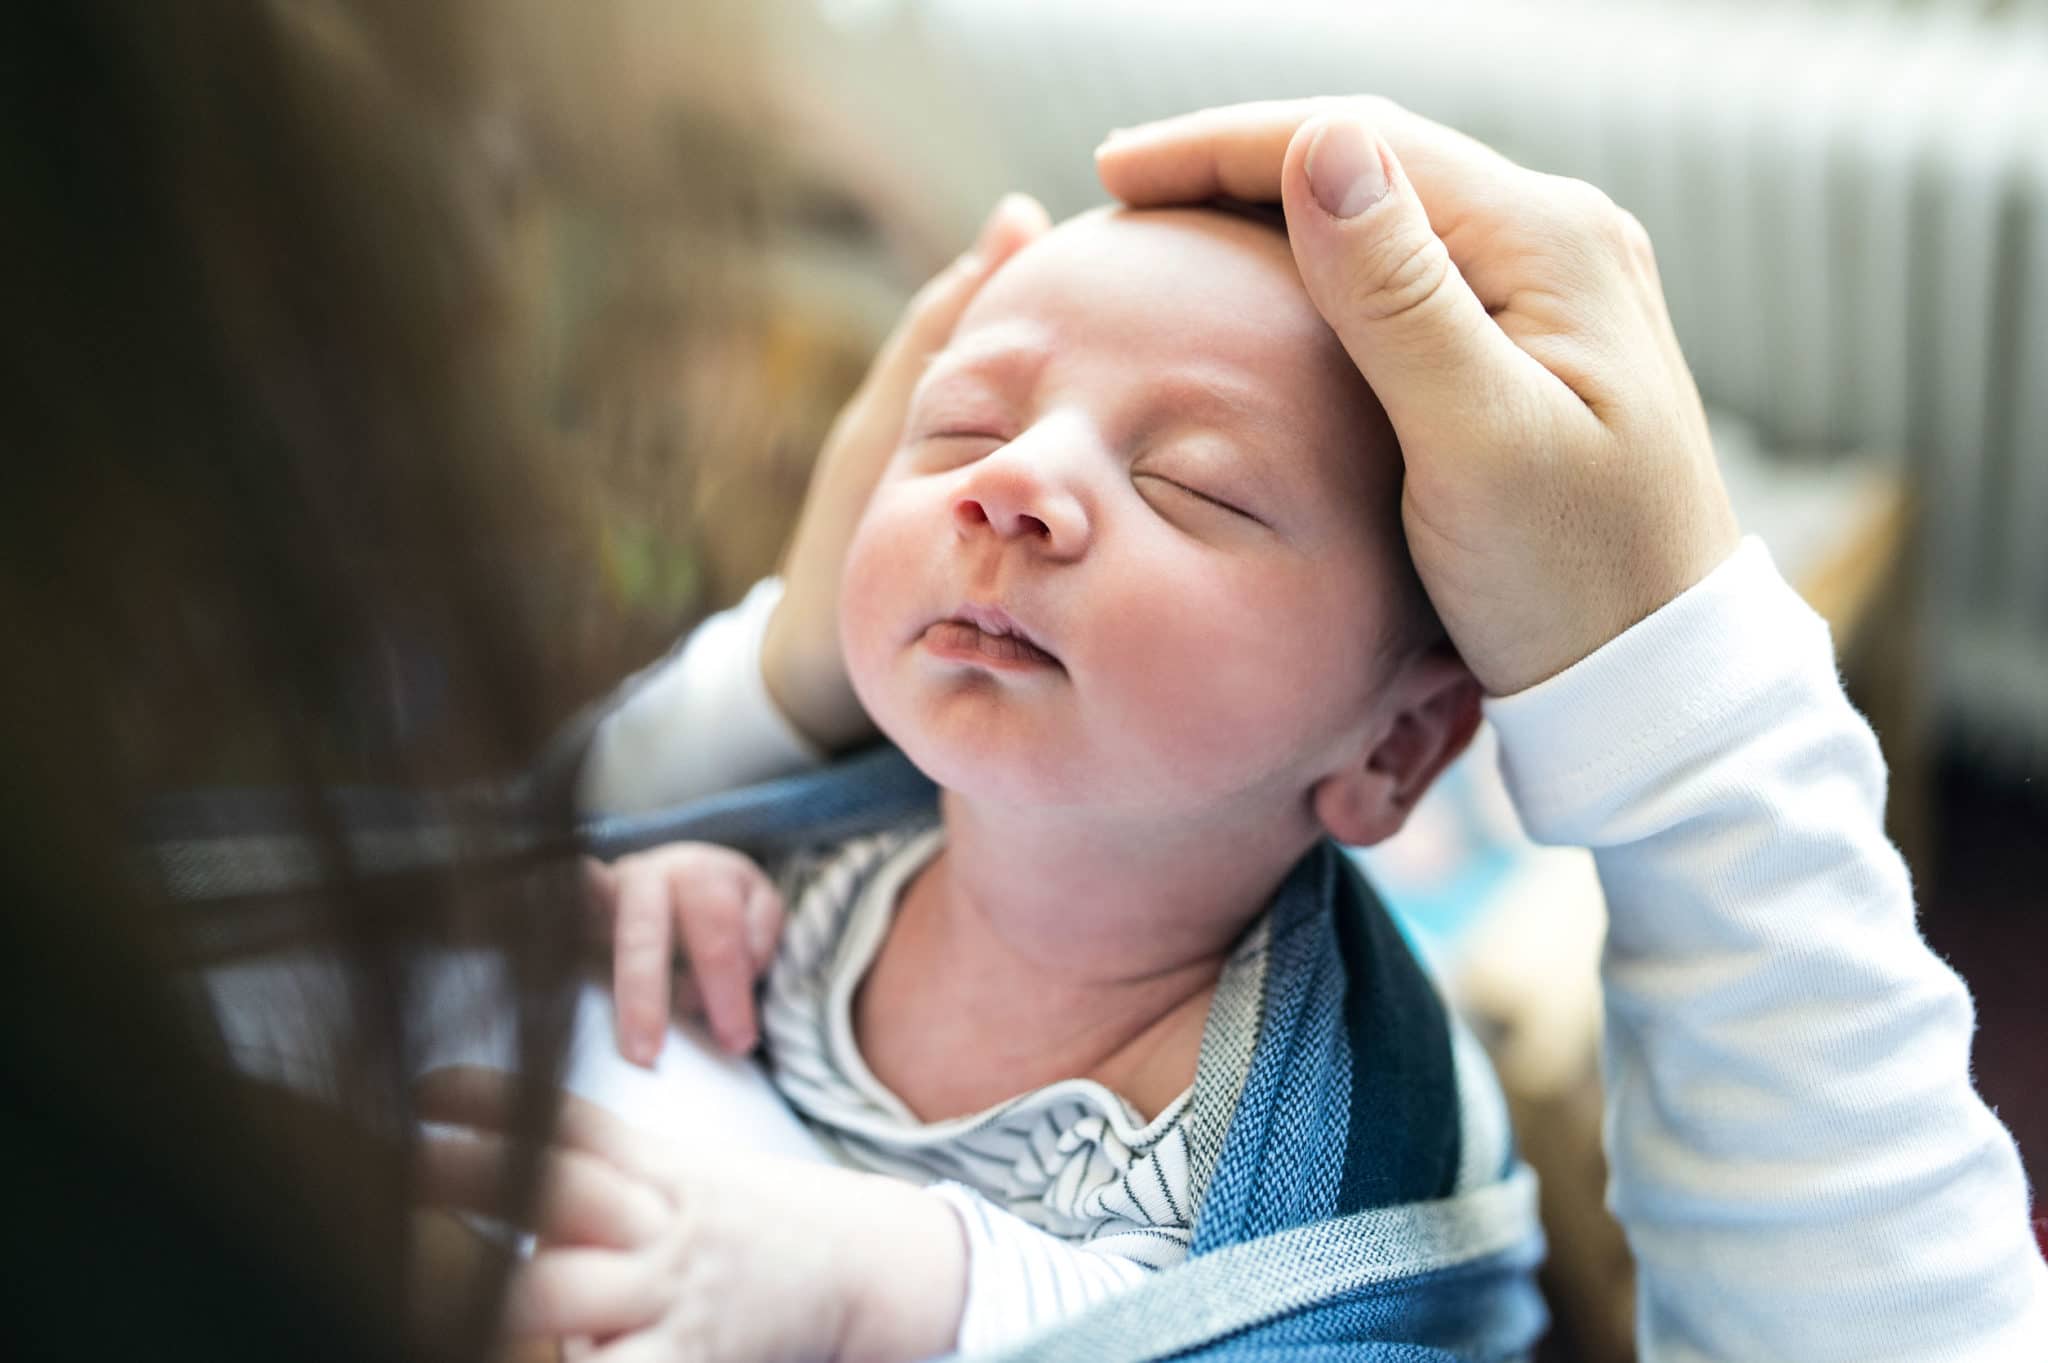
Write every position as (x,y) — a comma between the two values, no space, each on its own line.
(1209,397)
(994,350)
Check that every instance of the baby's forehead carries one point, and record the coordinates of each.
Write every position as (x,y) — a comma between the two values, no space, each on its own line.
(1178,263)
(1182,232)
(1201,295)
(1162,291)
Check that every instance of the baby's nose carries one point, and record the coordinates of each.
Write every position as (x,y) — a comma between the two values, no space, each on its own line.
(1015,504)
(1006,521)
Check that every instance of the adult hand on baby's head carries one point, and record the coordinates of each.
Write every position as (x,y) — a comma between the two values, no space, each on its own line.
(800,658)
(719,907)
(1560,481)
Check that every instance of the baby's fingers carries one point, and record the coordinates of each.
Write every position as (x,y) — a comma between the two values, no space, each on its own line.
(600,898)
(583,1292)
(586,1199)
(487,1100)
(1014,223)
(643,948)
(715,938)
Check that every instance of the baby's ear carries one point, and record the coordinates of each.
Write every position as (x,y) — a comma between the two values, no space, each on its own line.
(1430,711)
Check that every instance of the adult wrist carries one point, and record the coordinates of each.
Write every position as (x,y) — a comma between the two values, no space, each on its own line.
(1723,658)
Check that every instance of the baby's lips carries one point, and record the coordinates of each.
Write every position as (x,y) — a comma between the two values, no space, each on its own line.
(959,638)
(991,618)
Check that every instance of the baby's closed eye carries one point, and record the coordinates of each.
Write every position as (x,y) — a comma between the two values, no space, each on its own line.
(1200,473)
(1191,491)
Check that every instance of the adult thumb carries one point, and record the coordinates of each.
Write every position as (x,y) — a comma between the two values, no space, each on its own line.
(1387,285)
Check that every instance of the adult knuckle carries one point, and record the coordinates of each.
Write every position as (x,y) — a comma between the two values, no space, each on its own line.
(1404,277)
(1635,238)
(1617,227)
(1375,108)
(1578,208)
(1589,203)
(1638,249)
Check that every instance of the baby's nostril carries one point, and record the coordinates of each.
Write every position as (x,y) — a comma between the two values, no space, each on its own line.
(1037,527)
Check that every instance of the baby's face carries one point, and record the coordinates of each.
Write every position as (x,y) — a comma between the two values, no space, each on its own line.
(1136,551)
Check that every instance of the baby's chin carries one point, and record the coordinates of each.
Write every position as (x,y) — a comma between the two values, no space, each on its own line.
(989,763)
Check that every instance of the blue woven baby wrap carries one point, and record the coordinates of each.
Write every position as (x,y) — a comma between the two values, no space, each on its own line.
(1330,1227)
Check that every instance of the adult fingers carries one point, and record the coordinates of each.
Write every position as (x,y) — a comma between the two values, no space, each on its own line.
(585,1200)
(1015,221)
(721,960)
(873,419)
(582,1292)
(643,950)
(1237,151)
(1386,283)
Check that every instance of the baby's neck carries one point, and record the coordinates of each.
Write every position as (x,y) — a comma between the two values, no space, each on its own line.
(1105,904)
(1035,949)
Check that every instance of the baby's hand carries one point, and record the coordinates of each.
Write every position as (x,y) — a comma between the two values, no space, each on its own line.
(652,1257)
(722,911)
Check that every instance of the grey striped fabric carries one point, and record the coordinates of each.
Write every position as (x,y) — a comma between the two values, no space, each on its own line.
(1072,1159)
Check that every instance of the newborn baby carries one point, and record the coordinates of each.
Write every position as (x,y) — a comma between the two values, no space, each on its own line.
(1133,592)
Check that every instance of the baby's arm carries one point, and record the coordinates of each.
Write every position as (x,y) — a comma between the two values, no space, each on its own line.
(1799,1159)
(1021,1279)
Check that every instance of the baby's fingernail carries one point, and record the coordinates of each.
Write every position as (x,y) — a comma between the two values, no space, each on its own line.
(1345,172)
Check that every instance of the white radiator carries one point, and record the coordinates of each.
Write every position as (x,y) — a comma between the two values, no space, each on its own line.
(1849,201)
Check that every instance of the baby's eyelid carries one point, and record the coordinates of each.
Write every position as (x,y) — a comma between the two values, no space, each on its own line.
(939,420)
(967,431)
(1210,498)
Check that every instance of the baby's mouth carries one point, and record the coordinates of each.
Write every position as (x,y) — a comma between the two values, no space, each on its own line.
(958,638)
(978,633)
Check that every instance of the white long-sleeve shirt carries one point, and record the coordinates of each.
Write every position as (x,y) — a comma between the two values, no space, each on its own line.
(1798,1157)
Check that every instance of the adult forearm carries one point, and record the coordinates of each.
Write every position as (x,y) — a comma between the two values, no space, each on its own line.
(1798,1156)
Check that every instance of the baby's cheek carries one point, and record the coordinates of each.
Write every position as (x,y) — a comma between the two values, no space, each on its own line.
(1238,679)
(871,600)
(1204,664)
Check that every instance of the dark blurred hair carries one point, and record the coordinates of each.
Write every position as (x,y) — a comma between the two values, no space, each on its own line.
(273,484)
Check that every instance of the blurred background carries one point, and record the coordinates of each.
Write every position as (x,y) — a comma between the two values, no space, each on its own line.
(1849,201)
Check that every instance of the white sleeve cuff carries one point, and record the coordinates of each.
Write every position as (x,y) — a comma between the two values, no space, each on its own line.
(1021,1279)
(1577,749)
(698,721)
